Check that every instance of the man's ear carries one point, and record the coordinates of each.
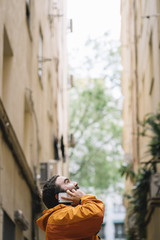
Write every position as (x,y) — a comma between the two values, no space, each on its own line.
(56,196)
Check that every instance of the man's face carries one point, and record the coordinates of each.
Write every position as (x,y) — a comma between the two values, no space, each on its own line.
(66,184)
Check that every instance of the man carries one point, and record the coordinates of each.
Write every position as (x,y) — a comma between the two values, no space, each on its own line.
(81,220)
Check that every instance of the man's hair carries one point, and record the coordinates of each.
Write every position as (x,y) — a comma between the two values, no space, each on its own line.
(49,190)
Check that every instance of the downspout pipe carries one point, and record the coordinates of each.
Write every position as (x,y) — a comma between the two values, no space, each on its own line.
(136,80)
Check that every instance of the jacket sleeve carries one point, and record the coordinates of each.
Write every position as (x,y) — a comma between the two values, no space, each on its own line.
(81,221)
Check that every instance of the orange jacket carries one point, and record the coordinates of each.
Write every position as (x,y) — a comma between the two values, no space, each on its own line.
(82,222)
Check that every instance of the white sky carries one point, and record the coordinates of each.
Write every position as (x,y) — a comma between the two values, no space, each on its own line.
(92,18)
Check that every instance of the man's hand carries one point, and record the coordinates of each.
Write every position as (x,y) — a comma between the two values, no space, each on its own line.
(75,196)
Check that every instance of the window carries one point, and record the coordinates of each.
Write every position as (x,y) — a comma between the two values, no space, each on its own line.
(102,232)
(56,147)
(7,64)
(28,142)
(50,98)
(43,172)
(28,12)
(40,56)
(119,231)
(63,149)
(46,171)
(8,228)
(151,65)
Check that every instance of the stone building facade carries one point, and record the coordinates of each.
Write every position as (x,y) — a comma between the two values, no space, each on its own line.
(140,37)
(33,109)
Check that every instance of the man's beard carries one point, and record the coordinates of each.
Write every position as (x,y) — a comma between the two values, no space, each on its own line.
(75,188)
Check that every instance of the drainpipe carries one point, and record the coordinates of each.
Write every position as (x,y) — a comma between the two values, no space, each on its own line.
(1,212)
(136,81)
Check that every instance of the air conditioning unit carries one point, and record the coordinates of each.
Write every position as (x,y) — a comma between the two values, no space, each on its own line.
(71,81)
(155,190)
(21,220)
(70,25)
(46,171)
(71,140)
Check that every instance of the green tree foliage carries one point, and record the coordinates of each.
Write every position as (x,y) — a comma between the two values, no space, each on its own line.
(139,199)
(95,122)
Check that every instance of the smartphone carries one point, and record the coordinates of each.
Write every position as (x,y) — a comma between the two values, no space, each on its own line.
(61,200)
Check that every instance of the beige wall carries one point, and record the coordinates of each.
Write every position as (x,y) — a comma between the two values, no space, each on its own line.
(15,193)
(140,59)
(35,103)
(140,79)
